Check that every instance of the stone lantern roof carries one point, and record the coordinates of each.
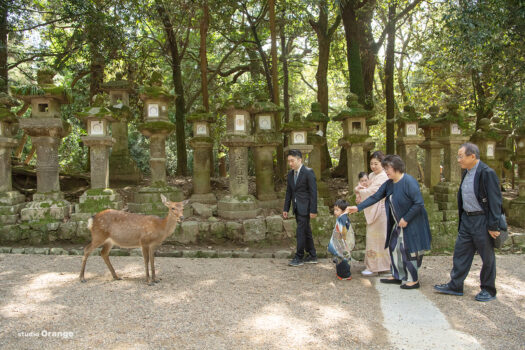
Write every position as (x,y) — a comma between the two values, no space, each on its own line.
(98,110)
(6,102)
(43,89)
(154,89)
(298,123)
(200,115)
(409,114)
(262,105)
(316,115)
(354,109)
(235,102)
(430,119)
(452,114)
(118,84)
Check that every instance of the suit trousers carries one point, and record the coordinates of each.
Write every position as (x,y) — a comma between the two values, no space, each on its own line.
(305,239)
(473,236)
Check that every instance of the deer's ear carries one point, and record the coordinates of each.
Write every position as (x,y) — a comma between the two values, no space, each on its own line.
(164,200)
(186,202)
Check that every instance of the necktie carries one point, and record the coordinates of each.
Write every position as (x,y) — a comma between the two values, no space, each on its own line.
(295,177)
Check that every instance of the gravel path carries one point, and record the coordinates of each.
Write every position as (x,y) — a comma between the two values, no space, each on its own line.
(229,304)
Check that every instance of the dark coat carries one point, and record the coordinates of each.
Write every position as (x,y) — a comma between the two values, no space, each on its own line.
(489,196)
(408,205)
(305,190)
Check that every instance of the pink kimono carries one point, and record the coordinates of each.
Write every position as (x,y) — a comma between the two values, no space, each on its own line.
(377,257)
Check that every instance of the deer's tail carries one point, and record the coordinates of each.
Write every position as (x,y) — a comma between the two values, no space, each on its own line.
(90,223)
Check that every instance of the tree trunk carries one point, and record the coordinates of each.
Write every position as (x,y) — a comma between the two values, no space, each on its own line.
(3,45)
(97,70)
(286,78)
(368,51)
(204,25)
(275,83)
(389,80)
(182,159)
(352,36)
(324,38)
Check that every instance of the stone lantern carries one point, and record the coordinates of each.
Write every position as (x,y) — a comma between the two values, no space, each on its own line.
(318,140)
(267,138)
(451,138)
(11,202)
(297,134)
(97,119)
(486,138)
(156,127)
(124,169)
(408,139)
(46,128)
(432,131)
(516,212)
(239,204)
(355,137)
(202,144)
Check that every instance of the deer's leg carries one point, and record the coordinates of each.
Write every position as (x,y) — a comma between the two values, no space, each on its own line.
(145,254)
(87,251)
(152,264)
(105,255)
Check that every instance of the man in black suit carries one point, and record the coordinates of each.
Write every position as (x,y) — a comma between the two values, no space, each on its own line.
(479,206)
(301,191)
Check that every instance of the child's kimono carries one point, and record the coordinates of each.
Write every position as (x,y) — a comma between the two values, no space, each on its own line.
(341,244)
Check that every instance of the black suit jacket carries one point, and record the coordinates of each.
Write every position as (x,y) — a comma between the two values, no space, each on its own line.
(305,191)
(488,193)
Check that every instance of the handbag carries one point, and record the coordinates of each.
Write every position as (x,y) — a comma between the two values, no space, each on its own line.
(503,232)
(503,228)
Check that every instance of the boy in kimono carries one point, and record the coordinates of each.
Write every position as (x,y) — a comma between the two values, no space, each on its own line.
(342,241)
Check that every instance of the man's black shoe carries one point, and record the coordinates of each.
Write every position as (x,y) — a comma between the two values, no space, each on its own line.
(296,262)
(485,296)
(310,260)
(445,289)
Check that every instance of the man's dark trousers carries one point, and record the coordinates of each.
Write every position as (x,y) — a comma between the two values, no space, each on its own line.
(305,239)
(473,236)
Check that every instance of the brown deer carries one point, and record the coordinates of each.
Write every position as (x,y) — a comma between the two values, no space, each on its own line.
(115,227)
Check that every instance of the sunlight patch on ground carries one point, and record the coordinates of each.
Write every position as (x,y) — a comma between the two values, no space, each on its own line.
(31,295)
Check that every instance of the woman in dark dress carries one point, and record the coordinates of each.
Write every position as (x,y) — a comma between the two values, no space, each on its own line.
(408,230)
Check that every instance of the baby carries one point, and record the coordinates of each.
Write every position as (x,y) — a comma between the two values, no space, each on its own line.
(363,183)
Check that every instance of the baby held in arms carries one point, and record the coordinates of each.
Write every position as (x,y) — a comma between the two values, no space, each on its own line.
(363,183)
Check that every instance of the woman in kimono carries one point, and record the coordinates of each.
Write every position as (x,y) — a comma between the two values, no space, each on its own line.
(408,230)
(377,258)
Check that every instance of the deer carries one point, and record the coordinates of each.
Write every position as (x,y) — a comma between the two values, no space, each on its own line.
(128,230)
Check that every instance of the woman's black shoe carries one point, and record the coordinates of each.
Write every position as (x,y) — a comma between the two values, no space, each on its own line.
(406,286)
(390,281)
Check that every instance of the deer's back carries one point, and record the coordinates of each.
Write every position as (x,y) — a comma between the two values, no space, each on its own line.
(126,229)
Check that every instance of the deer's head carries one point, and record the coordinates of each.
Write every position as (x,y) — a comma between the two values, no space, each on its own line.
(175,208)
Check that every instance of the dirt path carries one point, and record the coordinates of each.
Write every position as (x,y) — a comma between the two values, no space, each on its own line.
(224,304)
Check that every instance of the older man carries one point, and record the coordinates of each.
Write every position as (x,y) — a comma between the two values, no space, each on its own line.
(479,206)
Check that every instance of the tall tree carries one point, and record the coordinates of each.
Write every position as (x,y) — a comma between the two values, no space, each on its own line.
(180,108)
(275,81)
(3,45)
(389,79)
(325,33)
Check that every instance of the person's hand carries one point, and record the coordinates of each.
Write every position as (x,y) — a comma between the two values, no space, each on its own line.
(494,234)
(285,214)
(403,223)
(351,210)
(312,215)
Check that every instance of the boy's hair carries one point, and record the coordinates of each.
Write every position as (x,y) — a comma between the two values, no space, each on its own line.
(361,175)
(341,204)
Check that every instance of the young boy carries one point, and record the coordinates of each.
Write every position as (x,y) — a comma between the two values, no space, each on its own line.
(342,241)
